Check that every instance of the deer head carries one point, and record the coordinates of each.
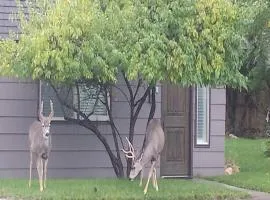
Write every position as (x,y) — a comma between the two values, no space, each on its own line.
(46,121)
(136,165)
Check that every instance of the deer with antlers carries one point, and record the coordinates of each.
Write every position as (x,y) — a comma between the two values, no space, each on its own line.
(40,145)
(149,153)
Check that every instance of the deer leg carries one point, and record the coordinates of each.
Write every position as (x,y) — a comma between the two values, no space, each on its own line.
(30,169)
(149,176)
(155,175)
(40,172)
(141,178)
(45,172)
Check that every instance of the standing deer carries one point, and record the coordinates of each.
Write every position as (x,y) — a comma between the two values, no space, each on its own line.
(150,152)
(40,145)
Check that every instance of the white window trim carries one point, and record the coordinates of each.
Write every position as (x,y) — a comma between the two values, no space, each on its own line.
(101,118)
(201,142)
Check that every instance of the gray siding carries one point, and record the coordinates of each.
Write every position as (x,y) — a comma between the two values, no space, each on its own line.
(209,161)
(76,151)
(7,7)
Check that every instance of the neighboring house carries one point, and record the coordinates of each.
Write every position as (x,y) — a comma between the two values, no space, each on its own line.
(193,121)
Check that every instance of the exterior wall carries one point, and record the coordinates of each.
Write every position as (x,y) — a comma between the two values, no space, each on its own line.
(209,161)
(6,25)
(76,151)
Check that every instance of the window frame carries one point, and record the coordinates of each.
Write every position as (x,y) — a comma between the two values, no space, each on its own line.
(93,117)
(208,123)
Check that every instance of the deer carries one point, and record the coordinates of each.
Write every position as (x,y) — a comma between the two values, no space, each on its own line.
(40,145)
(149,153)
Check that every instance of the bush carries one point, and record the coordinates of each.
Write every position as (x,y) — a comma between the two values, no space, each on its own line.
(267,148)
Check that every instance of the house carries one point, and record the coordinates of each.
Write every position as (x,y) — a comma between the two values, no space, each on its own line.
(193,121)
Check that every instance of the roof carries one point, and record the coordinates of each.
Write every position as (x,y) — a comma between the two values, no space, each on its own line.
(7,7)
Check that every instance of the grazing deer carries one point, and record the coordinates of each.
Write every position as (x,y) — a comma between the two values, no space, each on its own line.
(40,145)
(150,152)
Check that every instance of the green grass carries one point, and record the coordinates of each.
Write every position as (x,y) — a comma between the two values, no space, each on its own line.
(254,166)
(111,189)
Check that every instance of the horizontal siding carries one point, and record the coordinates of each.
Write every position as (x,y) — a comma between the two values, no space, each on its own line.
(15,91)
(217,127)
(60,173)
(209,161)
(16,142)
(15,80)
(216,145)
(218,112)
(57,159)
(65,128)
(76,151)
(15,125)
(121,93)
(18,108)
(218,96)
(121,110)
(213,171)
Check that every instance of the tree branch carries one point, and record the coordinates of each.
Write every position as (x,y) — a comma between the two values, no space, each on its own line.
(95,104)
(138,87)
(125,95)
(153,104)
(87,124)
(146,93)
(140,103)
(128,86)
(72,107)
(108,108)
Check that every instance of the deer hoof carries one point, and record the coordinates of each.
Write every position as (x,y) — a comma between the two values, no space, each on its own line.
(144,192)
(41,189)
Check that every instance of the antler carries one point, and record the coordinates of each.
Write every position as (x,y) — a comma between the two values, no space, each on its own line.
(130,151)
(52,111)
(41,110)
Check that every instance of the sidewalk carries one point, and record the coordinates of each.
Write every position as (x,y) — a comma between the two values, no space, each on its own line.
(255,195)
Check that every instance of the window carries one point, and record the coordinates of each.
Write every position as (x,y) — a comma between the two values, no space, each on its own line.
(87,96)
(202,116)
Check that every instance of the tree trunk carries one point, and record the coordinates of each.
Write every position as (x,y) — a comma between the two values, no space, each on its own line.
(115,161)
(153,104)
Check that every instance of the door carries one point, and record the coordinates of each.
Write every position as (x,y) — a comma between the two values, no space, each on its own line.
(176,155)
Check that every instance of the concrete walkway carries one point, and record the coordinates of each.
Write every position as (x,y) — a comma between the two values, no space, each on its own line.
(255,195)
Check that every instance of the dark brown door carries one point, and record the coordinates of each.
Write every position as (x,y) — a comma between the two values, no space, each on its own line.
(175,158)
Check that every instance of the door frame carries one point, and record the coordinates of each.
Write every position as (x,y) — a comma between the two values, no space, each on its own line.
(191,131)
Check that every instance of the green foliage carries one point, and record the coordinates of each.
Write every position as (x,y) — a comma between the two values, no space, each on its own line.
(186,42)
(256,63)
(267,148)
(113,189)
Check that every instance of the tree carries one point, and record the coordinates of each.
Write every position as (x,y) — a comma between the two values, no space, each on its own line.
(255,66)
(86,42)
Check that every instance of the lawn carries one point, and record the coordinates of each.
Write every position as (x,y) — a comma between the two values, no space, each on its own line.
(112,189)
(254,166)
